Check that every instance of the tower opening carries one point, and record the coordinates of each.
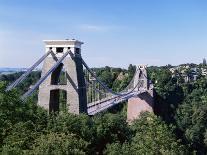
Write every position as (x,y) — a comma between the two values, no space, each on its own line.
(58,100)
(77,51)
(58,76)
(59,50)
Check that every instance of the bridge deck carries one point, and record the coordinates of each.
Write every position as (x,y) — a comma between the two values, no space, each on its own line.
(102,105)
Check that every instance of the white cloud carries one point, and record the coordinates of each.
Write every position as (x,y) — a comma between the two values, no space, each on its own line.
(92,27)
(97,28)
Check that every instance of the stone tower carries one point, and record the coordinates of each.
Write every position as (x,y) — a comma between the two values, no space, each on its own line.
(144,101)
(141,76)
(71,69)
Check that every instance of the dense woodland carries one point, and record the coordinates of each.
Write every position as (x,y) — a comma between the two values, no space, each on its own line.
(178,125)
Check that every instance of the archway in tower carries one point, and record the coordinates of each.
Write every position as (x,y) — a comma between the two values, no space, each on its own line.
(58,100)
(58,76)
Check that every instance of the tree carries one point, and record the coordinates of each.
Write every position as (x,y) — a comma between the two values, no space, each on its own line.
(26,128)
(21,136)
(131,70)
(14,133)
(191,118)
(118,149)
(59,144)
(107,78)
(151,136)
(68,123)
(168,93)
(110,128)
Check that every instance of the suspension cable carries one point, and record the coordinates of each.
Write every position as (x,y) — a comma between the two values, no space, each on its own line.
(45,76)
(23,76)
(103,85)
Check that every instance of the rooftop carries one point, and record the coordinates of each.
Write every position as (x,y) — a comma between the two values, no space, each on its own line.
(63,42)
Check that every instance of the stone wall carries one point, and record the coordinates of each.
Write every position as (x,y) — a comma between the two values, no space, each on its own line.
(141,103)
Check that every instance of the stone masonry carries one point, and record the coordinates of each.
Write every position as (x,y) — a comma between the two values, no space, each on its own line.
(142,102)
(75,86)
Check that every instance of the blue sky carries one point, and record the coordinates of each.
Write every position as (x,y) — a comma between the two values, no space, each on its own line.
(114,32)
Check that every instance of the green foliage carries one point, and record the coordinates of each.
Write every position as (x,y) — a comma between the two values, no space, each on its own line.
(131,70)
(110,128)
(14,110)
(119,85)
(68,123)
(59,144)
(109,76)
(191,118)
(151,136)
(22,87)
(21,135)
(8,150)
(183,104)
(118,149)
(168,93)
(25,128)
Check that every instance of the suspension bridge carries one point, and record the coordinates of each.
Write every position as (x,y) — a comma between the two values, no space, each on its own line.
(83,91)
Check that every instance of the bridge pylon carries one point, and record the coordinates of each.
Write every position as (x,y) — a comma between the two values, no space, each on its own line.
(144,101)
(66,84)
(141,77)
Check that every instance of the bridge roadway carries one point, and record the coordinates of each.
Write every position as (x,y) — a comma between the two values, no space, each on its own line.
(106,103)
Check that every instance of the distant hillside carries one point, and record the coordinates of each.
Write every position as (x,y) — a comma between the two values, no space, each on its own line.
(6,70)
